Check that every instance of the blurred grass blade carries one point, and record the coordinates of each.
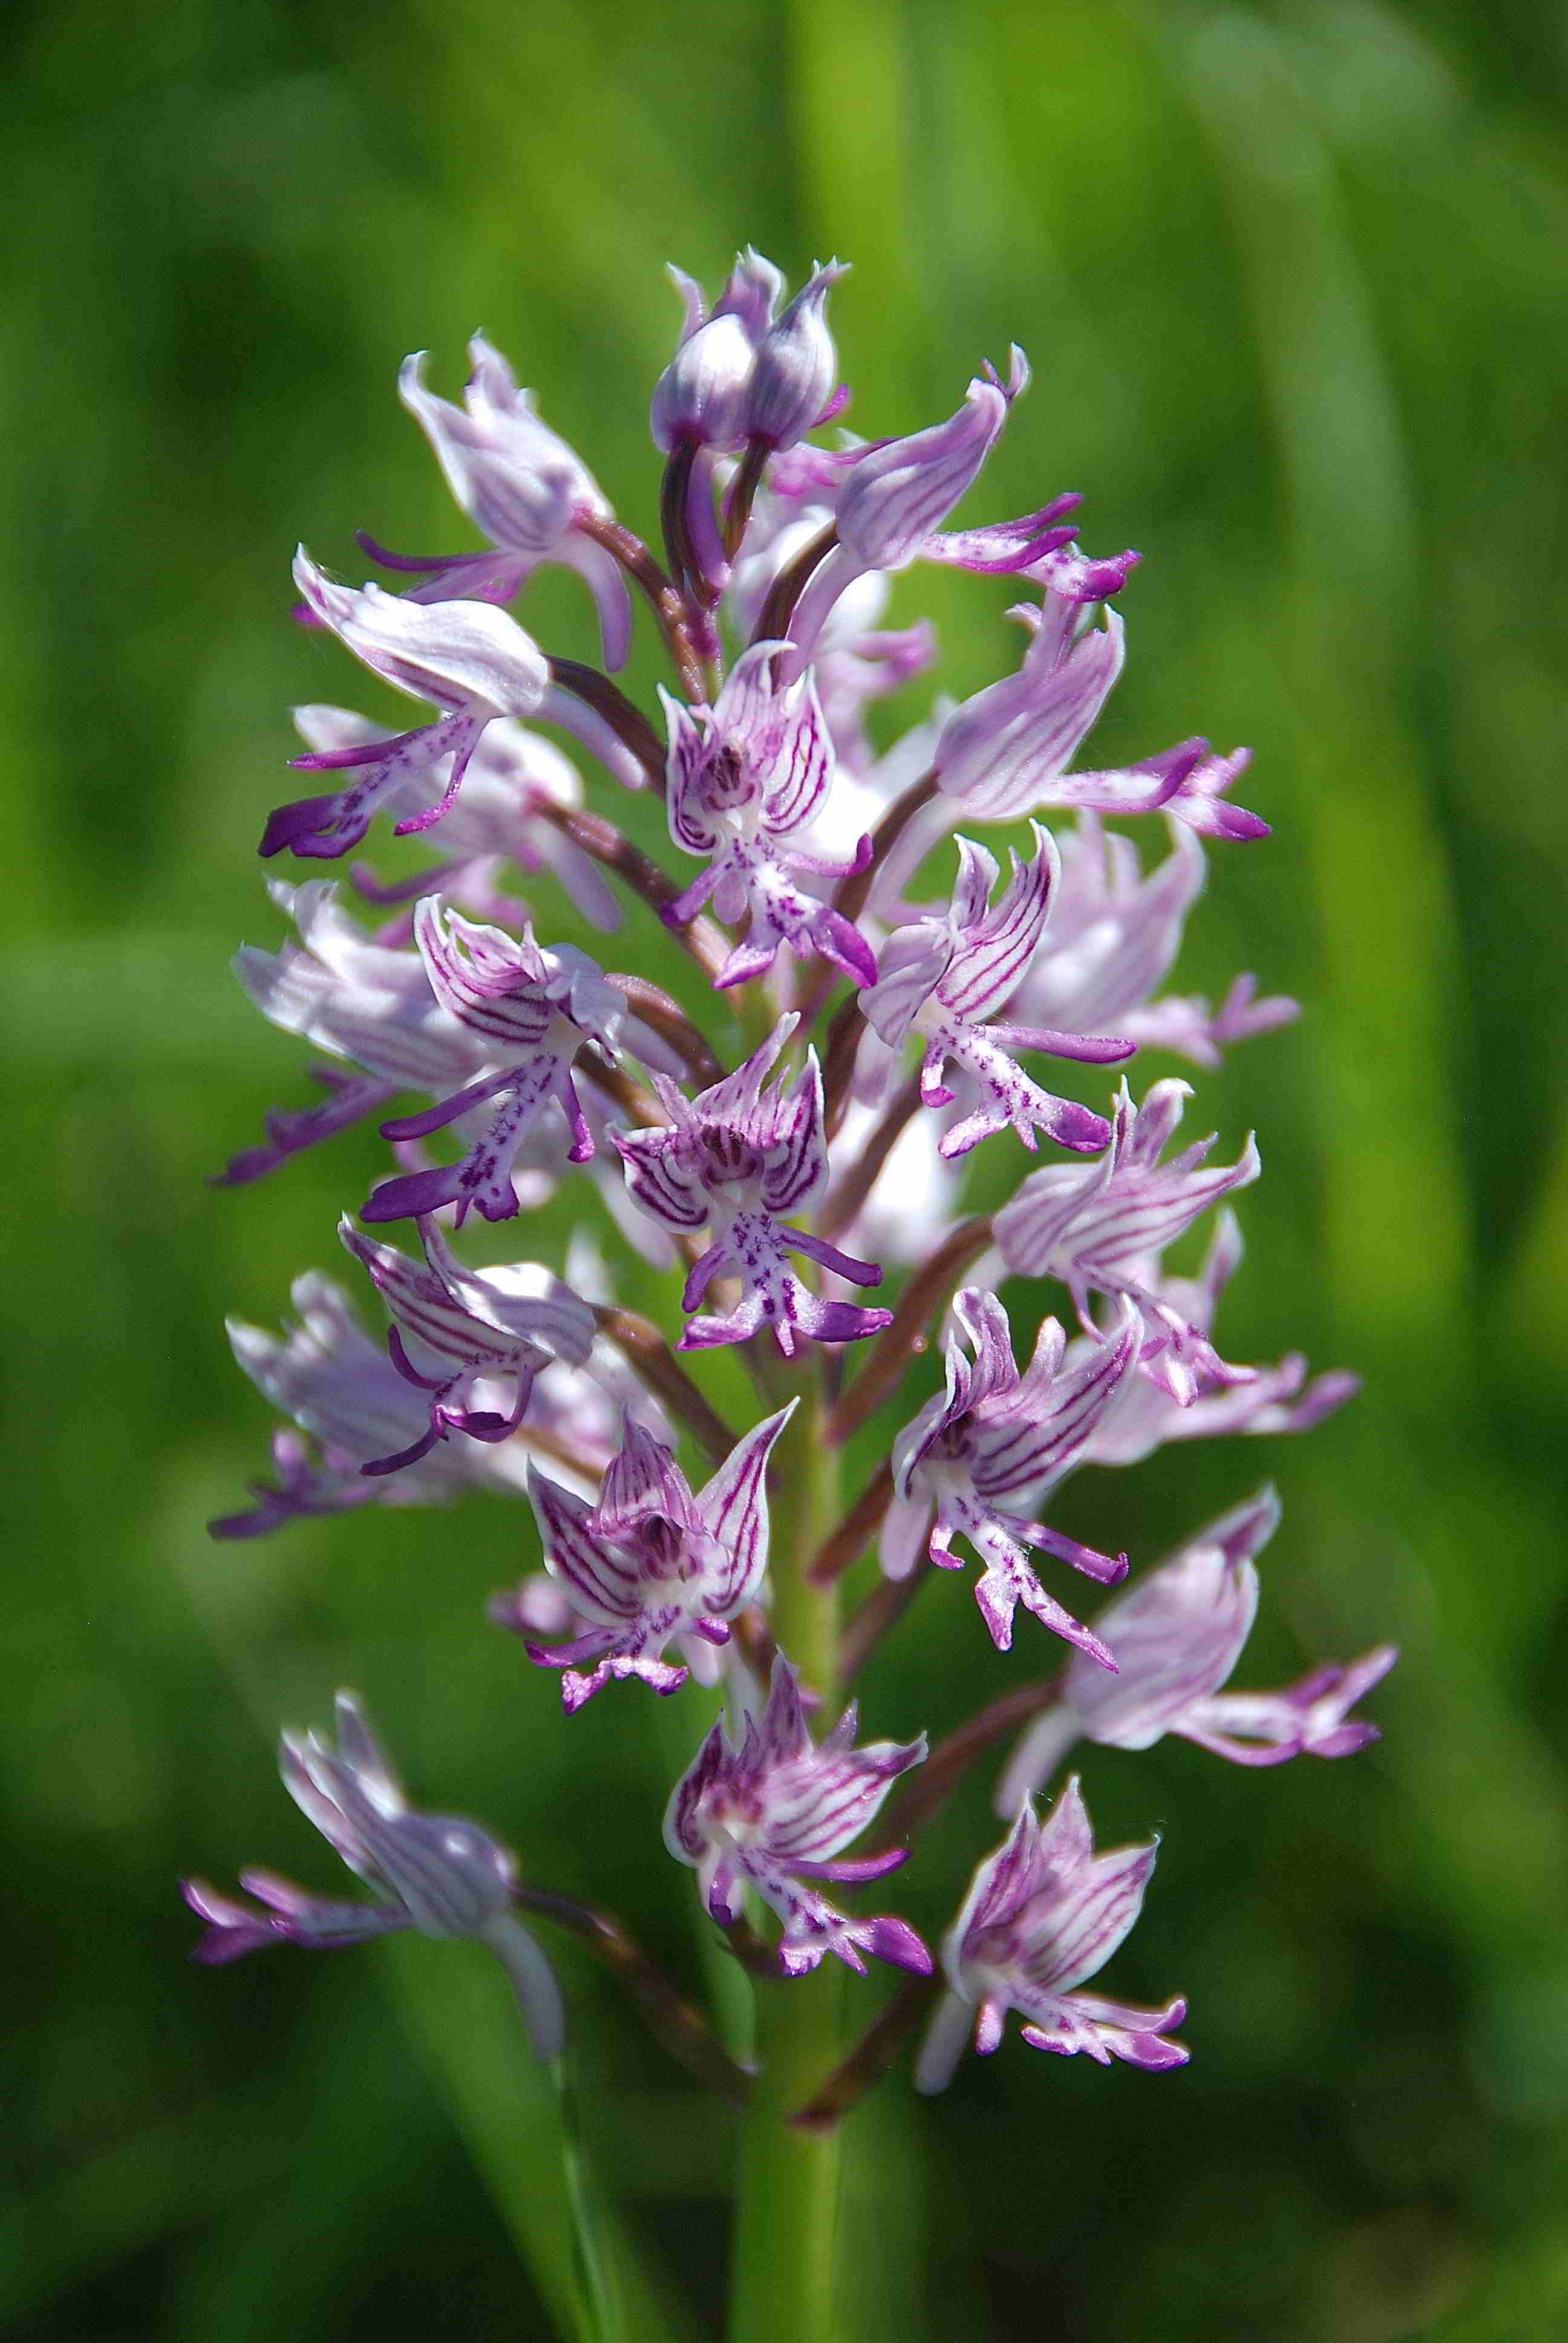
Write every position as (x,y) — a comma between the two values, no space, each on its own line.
(520,2122)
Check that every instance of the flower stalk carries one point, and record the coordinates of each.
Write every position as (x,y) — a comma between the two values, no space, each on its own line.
(786,2234)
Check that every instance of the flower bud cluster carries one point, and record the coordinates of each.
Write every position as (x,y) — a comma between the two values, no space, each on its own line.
(741,375)
(863,992)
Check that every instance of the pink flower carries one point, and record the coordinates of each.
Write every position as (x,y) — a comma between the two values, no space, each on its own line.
(1176,1637)
(946,978)
(996,1435)
(764,1806)
(650,1561)
(737,1157)
(1042,1915)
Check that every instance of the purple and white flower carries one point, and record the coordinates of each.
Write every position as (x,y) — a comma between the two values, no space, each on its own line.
(450,1324)
(435,1872)
(650,1563)
(744,777)
(1176,1637)
(355,1406)
(770,593)
(994,1436)
(1005,752)
(1274,1399)
(341,1389)
(899,490)
(521,485)
(737,1157)
(764,1806)
(890,497)
(533,1008)
(1042,1915)
(515,778)
(1102,1228)
(467,659)
(1114,934)
(360,1000)
(945,978)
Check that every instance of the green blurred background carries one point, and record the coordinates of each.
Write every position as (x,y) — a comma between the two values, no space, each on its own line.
(1292,280)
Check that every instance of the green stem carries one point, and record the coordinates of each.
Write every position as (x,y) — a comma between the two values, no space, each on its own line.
(787,2215)
(757,1011)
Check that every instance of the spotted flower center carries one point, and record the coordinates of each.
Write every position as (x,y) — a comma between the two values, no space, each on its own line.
(664,1549)
(727,780)
(731,1159)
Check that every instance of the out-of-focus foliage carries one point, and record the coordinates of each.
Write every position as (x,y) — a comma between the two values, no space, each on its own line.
(1293,279)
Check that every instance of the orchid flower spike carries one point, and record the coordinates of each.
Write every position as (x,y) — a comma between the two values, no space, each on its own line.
(797,835)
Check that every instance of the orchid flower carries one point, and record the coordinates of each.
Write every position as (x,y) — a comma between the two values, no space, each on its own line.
(1044,1914)
(764,1806)
(650,1561)
(430,1872)
(994,1434)
(946,978)
(736,1158)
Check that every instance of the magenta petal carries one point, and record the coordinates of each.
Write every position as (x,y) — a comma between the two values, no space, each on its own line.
(307,828)
(896,1941)
(413,1193)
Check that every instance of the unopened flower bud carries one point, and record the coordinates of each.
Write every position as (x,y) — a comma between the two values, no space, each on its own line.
(796,367)
(700,399)
(750,291)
